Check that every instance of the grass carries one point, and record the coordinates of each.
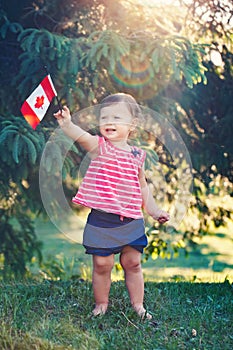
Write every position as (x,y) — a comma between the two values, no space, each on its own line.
(53,315)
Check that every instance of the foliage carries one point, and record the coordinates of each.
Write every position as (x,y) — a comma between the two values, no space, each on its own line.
(209,136)
(205,113)
(209,18)
(19,196)
(18,245)
(96,59)
(57,316)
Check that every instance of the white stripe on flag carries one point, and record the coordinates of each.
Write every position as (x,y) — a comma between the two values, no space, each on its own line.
(38,102)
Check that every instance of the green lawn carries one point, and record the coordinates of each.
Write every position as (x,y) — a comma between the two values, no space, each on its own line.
(56,315)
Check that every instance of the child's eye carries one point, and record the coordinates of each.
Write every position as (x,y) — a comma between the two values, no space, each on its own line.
(116,117)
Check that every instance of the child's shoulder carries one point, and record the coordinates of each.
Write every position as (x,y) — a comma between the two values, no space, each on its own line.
(139,154)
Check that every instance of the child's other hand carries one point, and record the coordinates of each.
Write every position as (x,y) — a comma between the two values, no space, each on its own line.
(63,117)
(162,217)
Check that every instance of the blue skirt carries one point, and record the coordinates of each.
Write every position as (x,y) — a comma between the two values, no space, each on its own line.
(107,233)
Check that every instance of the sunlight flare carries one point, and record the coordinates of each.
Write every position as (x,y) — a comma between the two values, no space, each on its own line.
(151,3)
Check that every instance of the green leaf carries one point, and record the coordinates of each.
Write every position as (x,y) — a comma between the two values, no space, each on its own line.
(31,149)
(15,150)
(5,136)
(4,29)
(15,27)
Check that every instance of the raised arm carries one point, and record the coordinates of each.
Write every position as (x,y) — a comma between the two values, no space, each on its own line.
(149,203)
(85,139)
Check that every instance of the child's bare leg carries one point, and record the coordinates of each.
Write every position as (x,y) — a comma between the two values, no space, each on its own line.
(101,282)
(131,262)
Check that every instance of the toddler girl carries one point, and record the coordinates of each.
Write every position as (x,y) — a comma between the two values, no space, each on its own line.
(116,190)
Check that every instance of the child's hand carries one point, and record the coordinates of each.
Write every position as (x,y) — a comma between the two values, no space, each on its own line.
(162,216)
(63,117)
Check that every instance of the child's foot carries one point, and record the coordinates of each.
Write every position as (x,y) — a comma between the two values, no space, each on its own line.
(100,309)
(142,313)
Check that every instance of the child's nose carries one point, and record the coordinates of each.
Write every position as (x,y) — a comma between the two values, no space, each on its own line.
(109,120)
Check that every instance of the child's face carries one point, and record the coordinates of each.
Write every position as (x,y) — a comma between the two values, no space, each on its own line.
(116,122)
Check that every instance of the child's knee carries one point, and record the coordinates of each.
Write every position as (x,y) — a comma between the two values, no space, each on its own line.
(130,263)
(103,264)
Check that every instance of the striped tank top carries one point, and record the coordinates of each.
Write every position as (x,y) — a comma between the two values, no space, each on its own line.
(111,183)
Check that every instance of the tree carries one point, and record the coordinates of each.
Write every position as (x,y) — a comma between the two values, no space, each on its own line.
(210,19)
(206,115)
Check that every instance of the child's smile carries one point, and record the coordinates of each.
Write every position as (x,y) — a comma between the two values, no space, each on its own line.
(110,130)
(115,122)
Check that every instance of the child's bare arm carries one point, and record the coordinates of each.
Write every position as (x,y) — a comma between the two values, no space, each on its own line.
(149,203)
(87,141)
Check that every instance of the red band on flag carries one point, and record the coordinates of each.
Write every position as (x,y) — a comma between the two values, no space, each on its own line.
(48,87)
(29,115)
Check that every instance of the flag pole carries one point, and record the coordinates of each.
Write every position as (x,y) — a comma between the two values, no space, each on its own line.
(58,102)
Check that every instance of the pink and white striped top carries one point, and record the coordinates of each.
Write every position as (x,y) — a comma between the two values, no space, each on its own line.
(111,183)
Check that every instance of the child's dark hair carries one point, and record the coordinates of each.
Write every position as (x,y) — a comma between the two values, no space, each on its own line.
(124,98)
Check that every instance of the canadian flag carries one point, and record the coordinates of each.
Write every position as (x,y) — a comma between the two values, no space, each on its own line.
(36,105)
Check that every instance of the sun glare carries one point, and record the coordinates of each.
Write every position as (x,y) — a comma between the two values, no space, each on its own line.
(151,3)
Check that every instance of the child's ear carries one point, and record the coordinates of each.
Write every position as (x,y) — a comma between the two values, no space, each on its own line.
(134,124)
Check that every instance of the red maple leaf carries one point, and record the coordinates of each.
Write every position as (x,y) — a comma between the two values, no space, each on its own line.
(39,102)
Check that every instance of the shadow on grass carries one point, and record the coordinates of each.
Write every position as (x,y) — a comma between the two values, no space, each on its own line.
(210,259)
